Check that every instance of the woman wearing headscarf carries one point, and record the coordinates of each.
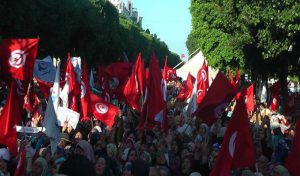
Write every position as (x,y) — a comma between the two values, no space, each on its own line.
(39,167)
(85,148)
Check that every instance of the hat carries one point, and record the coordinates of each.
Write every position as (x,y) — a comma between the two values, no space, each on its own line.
(4,154)
(65,137)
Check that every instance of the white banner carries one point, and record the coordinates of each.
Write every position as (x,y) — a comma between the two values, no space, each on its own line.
(22,129)
(66,114)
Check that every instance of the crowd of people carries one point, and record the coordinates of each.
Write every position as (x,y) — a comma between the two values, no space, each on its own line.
(189,148)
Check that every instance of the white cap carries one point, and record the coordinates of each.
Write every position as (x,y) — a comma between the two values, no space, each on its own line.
(4,154)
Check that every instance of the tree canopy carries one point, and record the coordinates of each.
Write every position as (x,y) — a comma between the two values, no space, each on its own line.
(259,37)
(91,29)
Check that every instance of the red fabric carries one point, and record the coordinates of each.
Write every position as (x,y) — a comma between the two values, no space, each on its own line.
(230,77)
(117,73)
(187,88)
(202,82)
(20,170)
(216,100)
(103,111)
(275,93)
(73,85)
(169,74)
(237,77)
(293,160)
(237,149)
(156,105)
(10,116)
(85,94)
(18,57)
(134,85)
(290,104)
(30,100)
(250,98)
(46,86)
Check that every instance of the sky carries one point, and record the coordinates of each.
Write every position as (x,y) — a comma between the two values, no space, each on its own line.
(170,20)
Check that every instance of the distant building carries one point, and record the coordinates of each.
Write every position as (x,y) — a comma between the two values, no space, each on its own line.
(127,10)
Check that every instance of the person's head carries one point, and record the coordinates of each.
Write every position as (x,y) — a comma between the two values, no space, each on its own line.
(77,165)
(111,150)
(262,164)
(280,170)
(164,171)
(64,140)
(146,157)
(45,153)
(40,167)
(78,136)
(127,171)
(4,159)
(132,155)
(101,166)
(187,165)
(85,148)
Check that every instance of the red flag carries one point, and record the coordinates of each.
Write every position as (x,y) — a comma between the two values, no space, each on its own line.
(117,76)
(216,100)
(187,88)
(18,57)
(202,82)
(134,85)
(293,160)
(237,77)
(103,111)
(31,100)
(169,74)
(85,95)
(20,170)
(10,116)
(156,102)
(230,77)
(73,85)
(237,149)
(250,98)
(275,92)
(46,86)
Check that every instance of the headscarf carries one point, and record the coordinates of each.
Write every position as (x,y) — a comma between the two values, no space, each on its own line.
(44,165)
(88,150)
(112,148)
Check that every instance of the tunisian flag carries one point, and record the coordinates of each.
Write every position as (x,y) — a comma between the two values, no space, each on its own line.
(293,160)
(85,95)
(216,100)
(73,89)
(134,86)
(237,149)
(156,104)
(103,111)
(17,57)
(202,82)
(187,88)
(169,74)
(10,116)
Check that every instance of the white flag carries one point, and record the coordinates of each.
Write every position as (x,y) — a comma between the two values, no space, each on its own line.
(55,89)
(192,104)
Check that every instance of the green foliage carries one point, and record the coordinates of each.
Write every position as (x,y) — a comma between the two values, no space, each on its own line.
(250,34)
(91,28)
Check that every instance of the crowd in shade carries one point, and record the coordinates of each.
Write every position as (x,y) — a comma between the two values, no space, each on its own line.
(242,139)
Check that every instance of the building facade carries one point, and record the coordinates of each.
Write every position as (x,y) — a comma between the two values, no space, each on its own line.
(127,10)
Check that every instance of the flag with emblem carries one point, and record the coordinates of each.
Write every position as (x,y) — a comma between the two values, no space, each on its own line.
(217,98)
(237,147)
(202,82)
(169,74)
(103,111)
(186,88)
(17,57)
(85,95)
(44,69)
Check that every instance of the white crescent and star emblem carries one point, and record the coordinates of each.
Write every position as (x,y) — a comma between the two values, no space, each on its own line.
(274,101)
(246,98)
(231,144)
(199,92)
(203,75)
(101,108)
(83,89)
(17,58)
